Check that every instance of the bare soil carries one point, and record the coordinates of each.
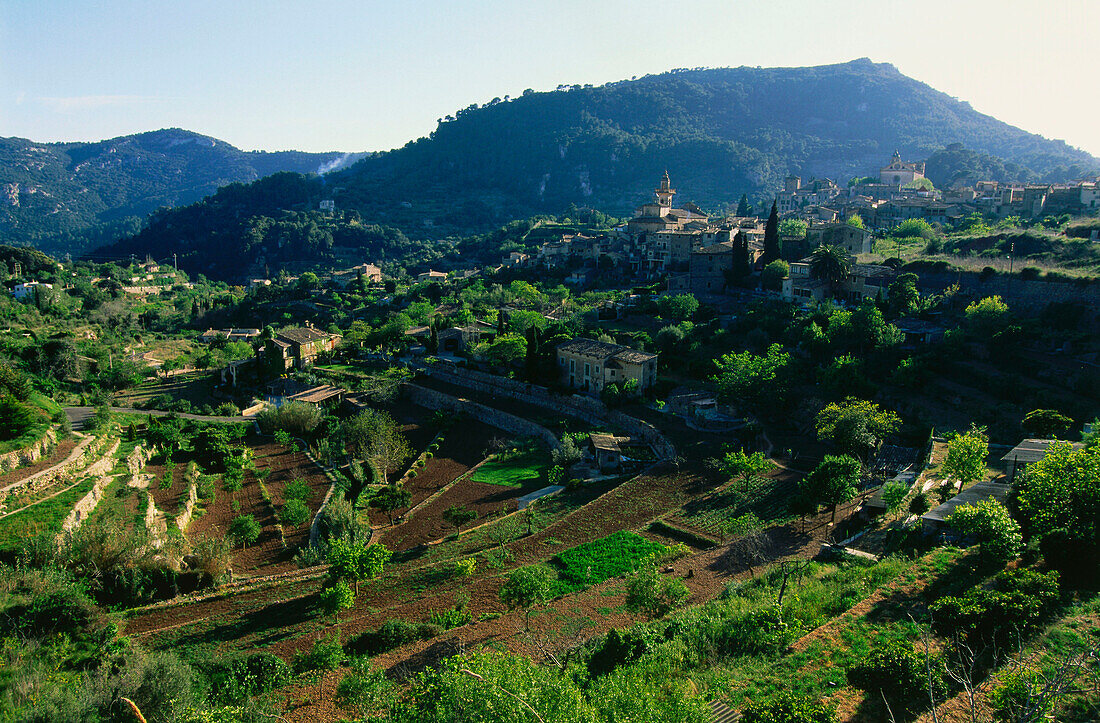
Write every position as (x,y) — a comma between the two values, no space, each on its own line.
(64,448)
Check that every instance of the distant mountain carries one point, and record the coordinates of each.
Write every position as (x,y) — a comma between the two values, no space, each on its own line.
(68,196)
(719,133)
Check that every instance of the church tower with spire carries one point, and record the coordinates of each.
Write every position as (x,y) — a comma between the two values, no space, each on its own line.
(665,192)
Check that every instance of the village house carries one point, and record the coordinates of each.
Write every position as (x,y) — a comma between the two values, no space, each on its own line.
(459,339)
(1026,452)
(438,276)
(853,239)
(590,365)
(865,281)
(22,291)
(298,348)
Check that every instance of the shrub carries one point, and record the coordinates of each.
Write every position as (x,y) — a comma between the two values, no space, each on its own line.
(244,530)
(451,618)
(786,707)
(326,654)
(466,567)
(391,634)
(895,672)
(1015,603)
(297,489)
(294,513)
(238,679)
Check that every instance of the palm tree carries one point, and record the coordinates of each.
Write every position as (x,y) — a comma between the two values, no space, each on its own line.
(831,264)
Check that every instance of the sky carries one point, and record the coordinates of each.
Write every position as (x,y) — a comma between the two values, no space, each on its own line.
(359,75)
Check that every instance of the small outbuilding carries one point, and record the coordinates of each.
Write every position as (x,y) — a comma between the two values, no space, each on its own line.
(1030,450)
(936,519)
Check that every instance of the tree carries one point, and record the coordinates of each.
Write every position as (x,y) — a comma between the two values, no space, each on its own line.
(997,533)
(744,208)
(966,456)
(903,297)
(375,436)
(680,306)
(335,597)
(244,529)
(524,588)
(739,464)
(830,263)
(855,425)
(742,260)
(1046,423)
(503,350)
(855,220)
(753,379)
(894,672)
(771,278)
(919,504)
(893,494)
(833,482)
(792,228)
(786,707)
(294,513)
(649,592)
(986,317)
(355,561)
(390,498)
(772,247)
(459,516)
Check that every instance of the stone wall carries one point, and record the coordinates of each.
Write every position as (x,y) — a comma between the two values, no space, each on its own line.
(1029,297)
(183,519)
(587,409)
(432,399)
(88,502)
(31,453)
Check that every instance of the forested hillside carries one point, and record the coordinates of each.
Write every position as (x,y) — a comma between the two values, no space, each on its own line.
(66,197)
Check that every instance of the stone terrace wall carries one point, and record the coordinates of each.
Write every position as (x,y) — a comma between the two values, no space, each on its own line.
(587,409)
(88,502)
(31,453)
(1028,296)
(432,399)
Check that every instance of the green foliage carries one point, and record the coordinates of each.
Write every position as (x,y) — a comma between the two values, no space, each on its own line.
(855,426)
(1022,695)
(900,675)
(753,379)
(893,494)
(771,278)
(786,707)
(831,264)
(919,504)
(593,562)
(297,489)
(390,498)
(245,530)
(503,351)
(294,513)
(391,634)
(235,680)
(336,596)
(325,654)
(376,437)
(966,454)
(1046,423)
(459,516)
(356,562)
(986,317)
(739,464)
(792,228)
(988,521)
(834,481)
(465,567)
(525,587)
(679,306)
(1013,605)
(855,220)
(649,592)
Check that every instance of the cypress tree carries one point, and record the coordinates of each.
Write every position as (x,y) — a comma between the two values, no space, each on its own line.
(743,207)
(772,250)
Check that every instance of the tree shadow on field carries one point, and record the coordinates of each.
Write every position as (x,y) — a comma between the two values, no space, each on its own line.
(274,621)
(751,551)
(430,656)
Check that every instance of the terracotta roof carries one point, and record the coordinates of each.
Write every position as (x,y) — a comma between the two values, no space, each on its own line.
(303,335)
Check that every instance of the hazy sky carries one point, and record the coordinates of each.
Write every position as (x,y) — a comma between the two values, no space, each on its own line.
(363,75)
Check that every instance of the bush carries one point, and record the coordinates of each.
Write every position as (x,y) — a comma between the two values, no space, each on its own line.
(451,618)
(294,513)
(244,530)
(236,680)
(391,634)
(1016,603)
(326,654)
(465,568)
(295,418)
(895,672)
(786,707)
(297,489)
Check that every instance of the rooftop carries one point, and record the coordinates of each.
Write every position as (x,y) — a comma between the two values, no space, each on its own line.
(303,335)
(975,493)
(1031,450)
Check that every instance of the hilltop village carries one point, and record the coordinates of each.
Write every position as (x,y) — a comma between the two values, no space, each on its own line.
(644,468)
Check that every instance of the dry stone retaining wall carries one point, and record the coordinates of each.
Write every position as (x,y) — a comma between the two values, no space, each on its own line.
(433,399)
(88,502)
(587,409)
(31,453)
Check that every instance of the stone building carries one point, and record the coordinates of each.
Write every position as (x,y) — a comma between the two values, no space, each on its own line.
(298,348)
(590,365)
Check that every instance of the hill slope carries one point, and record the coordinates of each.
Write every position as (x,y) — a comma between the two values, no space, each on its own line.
(718,132)
(65,196)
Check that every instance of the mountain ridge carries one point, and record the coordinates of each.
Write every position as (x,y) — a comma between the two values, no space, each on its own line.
(62,196)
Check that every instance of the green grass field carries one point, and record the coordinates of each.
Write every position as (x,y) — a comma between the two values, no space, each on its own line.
(45,518)
(513,470)
(599,560)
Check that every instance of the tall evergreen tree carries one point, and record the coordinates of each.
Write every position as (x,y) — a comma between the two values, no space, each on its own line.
(531,363)
(772,249)
(742,262)
(743,207)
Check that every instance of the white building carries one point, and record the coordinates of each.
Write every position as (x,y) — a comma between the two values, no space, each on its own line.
(22,291)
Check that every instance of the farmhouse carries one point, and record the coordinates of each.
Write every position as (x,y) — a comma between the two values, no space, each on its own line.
(865,281)
(590,365)
(298,348)
(1029,450)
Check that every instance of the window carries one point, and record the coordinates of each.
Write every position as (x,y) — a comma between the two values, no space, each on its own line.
(572,365)
(587,369)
